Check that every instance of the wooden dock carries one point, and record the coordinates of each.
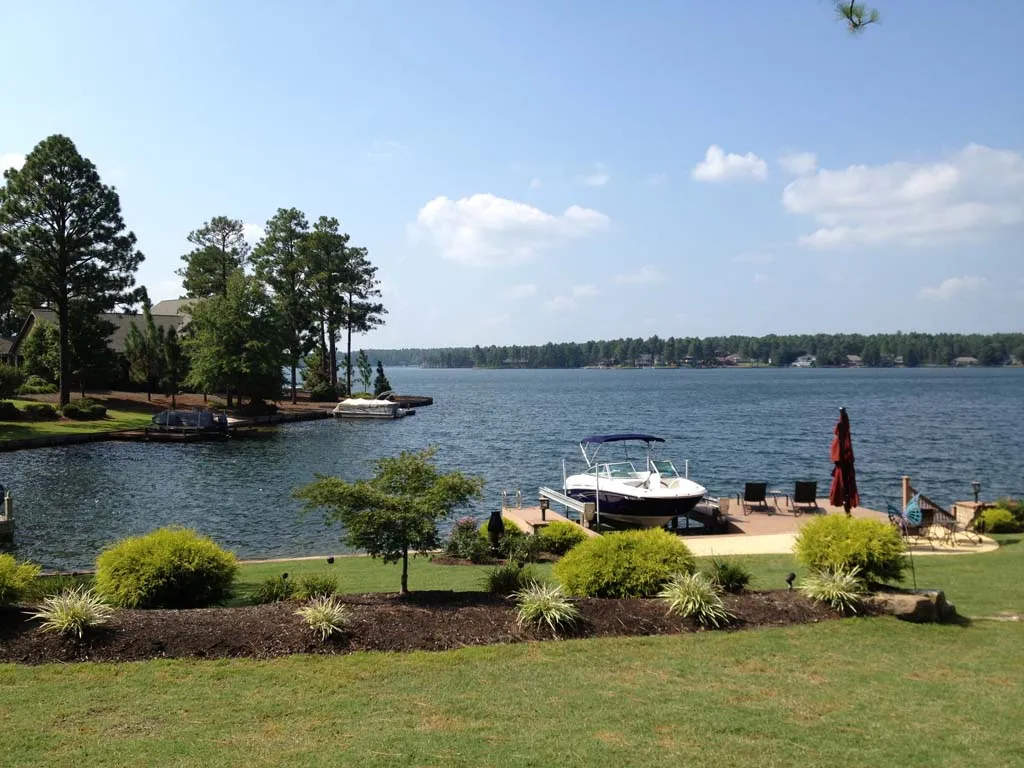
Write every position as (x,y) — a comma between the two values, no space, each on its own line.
(530,519)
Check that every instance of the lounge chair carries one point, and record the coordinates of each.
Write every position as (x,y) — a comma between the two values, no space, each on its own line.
(755,495)
(804,498)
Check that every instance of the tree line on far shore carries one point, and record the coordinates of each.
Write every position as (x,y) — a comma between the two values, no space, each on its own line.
(879,350)
(253,310)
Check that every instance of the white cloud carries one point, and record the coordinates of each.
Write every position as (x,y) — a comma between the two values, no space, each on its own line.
(524,291)
(496,320)
(253,233)
(583,291)
(952,287)
(11,160)
(657,179)
(973,190)
(646,274)
(799,163)
(719,166)
(568,302)
(535,183)
(486,229)
(598,178)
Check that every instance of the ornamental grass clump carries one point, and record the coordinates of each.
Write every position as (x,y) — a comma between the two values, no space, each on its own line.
(16,579)
(274,589)
(731,577)
(168,568)
(627,564)
(316,585)
(73,611)
(326,616)
(543,605)
(509,578)
(696,596)
(841,543)
(840,588)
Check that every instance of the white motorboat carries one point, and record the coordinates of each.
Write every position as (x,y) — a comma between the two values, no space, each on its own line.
(645,492)
(381,407)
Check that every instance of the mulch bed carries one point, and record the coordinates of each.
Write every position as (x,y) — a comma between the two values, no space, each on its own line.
(430,621)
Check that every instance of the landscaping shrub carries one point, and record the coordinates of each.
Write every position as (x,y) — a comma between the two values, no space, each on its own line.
(274,589)
(9,411)
(731,577)
(465,543)
(48,586)
(509,578)
(39,412)
(545,604)
(515,544)
(16,579)
(84,409)
(841,588)
(696,596)
(999,520)
(168,568)
(558,538)
(11,379)
(325,616)
(1015,507)
(627,564)
(36,385)
(838,542)
(73,611)
(316,585)
(323,393)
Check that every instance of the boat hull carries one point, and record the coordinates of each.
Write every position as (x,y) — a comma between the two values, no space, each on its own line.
(622,509)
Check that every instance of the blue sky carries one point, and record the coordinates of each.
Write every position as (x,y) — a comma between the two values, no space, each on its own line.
(565,170)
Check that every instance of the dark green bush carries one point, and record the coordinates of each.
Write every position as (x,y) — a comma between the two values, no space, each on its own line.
(999,520)
(731,577)
(16,579)
(36,385)
(513,542)
(509,578)
(315,585)
(168,568)
(84,410)
(9,411)
(323,393)
(840,543)
(1015,507)
(274,589)
(39,412)
(627,564)
(463,542)
(558,538)
(11,379)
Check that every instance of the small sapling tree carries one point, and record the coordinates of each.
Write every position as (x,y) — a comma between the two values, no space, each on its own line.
(397,510)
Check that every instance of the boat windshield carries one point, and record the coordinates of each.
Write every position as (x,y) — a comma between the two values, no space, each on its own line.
(614,469)
(665,467)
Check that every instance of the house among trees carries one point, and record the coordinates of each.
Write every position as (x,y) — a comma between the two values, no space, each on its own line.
(804,361)
(960,361)
(166,314)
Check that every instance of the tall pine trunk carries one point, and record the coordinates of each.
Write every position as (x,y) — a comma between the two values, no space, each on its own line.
(333,337)
(65,354)
(295,398)
(405,571)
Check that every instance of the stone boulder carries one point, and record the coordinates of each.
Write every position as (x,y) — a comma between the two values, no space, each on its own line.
(919,605)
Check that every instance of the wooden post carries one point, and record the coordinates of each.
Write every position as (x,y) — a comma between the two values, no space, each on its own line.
(906,491)
(7,519)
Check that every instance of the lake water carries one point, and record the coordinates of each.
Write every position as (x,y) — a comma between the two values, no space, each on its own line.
(943,427)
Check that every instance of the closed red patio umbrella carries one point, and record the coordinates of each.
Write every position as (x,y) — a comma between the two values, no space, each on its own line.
(843,492)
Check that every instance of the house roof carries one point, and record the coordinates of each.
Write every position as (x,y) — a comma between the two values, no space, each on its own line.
(122,323)
(171,307)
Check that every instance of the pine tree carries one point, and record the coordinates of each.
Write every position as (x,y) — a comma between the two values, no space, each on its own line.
(64,229)
(220,250)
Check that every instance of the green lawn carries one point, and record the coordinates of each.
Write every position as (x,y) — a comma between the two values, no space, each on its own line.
(23,430)
(851,693)
(858,692)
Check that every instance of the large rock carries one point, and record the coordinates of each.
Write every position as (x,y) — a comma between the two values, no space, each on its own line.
(921,605)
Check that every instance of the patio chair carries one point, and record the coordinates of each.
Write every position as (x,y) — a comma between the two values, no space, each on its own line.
(755,495)
(804,498)
(911,521)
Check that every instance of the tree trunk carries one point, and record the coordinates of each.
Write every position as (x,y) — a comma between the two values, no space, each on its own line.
(149,392)
(348,357)
(295,398)
(405,571)
(174,400)
(333,337)
(65,354)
